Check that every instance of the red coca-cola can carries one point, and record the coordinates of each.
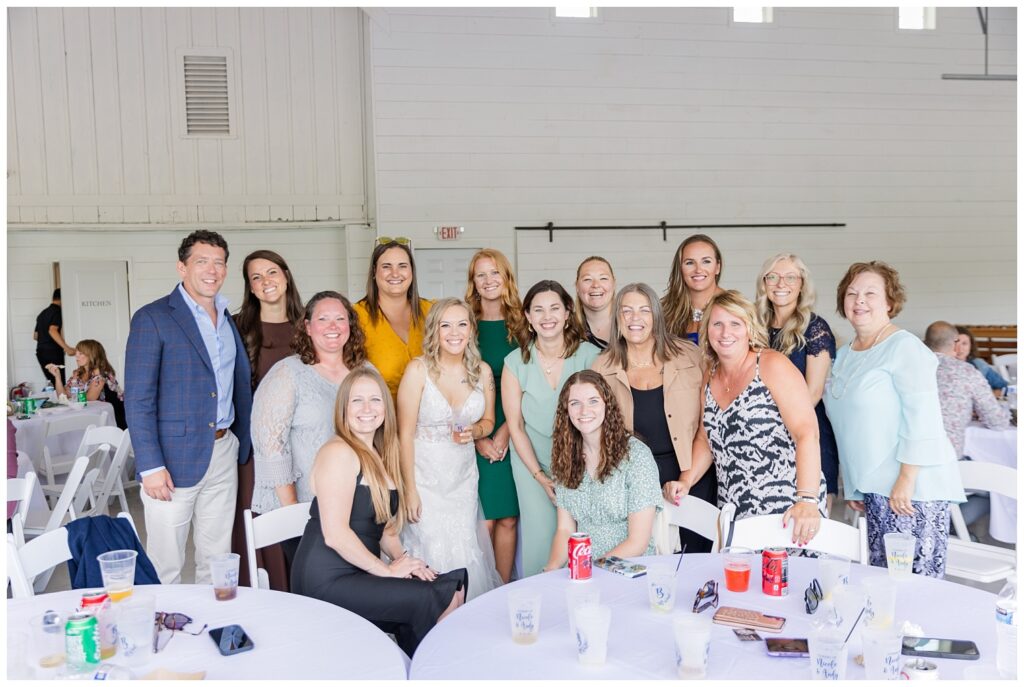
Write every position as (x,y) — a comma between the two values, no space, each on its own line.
(775,572)
(579,557)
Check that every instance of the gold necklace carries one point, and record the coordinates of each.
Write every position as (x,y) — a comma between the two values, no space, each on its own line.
(833,387)
(725,378)
(633,363)
(549,367)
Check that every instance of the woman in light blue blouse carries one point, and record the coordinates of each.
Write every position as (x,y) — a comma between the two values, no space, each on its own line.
(606,481)
(899,467)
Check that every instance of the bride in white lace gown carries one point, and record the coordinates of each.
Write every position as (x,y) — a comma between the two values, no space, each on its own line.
(445,526)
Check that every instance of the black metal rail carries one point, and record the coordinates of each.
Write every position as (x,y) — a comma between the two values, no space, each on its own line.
(550,228)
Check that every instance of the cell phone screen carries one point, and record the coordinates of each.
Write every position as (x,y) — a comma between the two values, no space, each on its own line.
(231,639)
(932,645)
(787,647)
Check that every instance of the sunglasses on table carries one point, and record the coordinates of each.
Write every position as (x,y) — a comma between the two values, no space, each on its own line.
(400,240)
(175,622)
(812,596)
(707,597)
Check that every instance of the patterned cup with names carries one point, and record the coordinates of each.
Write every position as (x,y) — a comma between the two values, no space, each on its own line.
(524,615)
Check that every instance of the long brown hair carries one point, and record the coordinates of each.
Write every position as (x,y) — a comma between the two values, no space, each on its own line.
(372,297)
(573,335)
(511,306)
(676,302)
(567,465)
(353,354)
(96,359)
(248,317)
(666,344)
(377,467)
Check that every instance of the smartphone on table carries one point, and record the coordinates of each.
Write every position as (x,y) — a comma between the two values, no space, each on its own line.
(231,640)
(787,648)
(933,647)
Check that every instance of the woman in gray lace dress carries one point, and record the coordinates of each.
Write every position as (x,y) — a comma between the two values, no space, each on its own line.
(293,408)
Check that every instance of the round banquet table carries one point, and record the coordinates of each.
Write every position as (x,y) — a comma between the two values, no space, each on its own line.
(295,637)
(996,446)
(475,641)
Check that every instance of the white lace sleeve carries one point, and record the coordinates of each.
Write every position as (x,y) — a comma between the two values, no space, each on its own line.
(272,410)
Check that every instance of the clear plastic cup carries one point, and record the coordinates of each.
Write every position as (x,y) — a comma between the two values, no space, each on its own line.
(135,628)
(883,648)
(224,575)
(899,554)
(827,644)
(833,571)
(592,625)
(661,588)
(524,615)
(578,595)
(880,601)
(692,634)
(118,571)
(738,562)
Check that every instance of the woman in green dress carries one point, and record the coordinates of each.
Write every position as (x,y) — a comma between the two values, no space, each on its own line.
(606,480)
(530,383)
(492,293)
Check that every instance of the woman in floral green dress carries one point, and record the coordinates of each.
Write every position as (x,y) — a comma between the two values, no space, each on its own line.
(606,481)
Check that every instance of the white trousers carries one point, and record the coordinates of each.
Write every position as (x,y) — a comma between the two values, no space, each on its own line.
(209,506)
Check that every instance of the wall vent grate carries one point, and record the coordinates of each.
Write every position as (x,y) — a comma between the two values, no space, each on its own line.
(207,105)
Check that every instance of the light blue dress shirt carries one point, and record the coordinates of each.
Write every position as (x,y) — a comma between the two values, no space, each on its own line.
(884,407)
(220,345)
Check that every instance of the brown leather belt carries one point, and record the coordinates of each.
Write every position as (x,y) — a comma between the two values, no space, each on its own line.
(220,433)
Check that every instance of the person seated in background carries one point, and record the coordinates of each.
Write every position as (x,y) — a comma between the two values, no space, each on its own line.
(357,513)
(964,393)
(95,373)
(967,350)
(606,480)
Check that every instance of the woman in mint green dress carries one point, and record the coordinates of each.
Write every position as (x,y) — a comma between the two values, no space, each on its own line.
(530,384)
(493,295)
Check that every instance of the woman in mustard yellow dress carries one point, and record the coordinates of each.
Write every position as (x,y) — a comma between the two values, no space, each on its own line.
(392,314)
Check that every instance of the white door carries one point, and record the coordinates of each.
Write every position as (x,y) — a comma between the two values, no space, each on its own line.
(441,272)
(94,304)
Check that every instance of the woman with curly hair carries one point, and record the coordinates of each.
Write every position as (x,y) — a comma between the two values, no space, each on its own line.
(96,374)
(530,383)
(445,403)
(494,298)
(692,283)
(606,481)
(785,299)
(291,410)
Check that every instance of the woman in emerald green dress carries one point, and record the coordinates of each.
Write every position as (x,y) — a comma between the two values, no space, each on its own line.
(491,292)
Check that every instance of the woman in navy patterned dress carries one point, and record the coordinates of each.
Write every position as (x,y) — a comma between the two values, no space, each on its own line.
(785,297)
(759,426)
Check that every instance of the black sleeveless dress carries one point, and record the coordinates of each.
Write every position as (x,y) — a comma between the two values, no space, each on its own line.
(408,608)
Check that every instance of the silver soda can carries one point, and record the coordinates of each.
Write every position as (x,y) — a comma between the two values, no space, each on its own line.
(919,669)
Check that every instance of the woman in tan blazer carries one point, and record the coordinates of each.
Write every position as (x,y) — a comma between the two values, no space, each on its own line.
(655,377)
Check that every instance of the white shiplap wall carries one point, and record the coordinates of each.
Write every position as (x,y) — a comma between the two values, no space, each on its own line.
(95,108)
(493,118)
(315,254)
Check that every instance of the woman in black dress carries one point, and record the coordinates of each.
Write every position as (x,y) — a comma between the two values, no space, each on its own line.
(356,514)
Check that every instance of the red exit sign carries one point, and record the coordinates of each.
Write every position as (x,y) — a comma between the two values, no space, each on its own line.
(448,233)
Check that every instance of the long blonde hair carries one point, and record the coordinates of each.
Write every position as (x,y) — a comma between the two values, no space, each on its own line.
(432,341)
(376,468)
(511,305)
(676,301)
(791,334)
(737,305)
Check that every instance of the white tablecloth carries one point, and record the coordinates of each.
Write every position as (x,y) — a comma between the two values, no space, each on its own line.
(295,637)
(996,446)
(475,641)
(29,438)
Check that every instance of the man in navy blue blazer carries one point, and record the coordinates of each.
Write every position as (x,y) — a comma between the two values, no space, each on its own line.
(187,402)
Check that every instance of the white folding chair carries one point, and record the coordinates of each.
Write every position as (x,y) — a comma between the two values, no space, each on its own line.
(63,509)
(20,489)
(59,464)
(105,481)
(40,556)
(16,579)
(270,528)
(973,560)
(834,537)
(1006,365)
(114,439)
(692,514)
